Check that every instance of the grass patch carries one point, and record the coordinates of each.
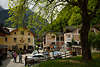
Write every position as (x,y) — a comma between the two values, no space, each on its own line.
(72,62)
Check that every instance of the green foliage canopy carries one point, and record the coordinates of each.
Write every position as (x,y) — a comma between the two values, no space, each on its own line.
(94,39)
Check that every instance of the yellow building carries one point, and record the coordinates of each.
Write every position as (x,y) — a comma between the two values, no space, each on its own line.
(3,33)
(21,38)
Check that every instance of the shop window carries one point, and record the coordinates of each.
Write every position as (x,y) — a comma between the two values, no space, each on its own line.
(6,39)
(30,47)
(57,38)
(53,36)
(62,38)
(53,43)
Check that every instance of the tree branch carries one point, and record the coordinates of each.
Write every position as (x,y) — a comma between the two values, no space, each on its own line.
(72,2)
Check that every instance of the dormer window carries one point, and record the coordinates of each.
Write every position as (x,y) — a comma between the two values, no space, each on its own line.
(28,33)
(22,32)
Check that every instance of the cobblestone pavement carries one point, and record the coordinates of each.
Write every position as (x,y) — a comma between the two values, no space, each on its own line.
(10,63)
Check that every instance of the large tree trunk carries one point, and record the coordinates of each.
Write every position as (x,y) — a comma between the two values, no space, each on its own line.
(86,50)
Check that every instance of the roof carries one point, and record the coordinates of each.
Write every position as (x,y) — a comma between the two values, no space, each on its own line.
(94,30)
(76,46)
(97,26)
(15,29)
(4,31)
(57,33)
(70,28)
(11,29)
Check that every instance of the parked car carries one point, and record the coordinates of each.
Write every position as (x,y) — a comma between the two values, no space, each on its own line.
(36,58)
(65,54)
(57,54)
(46,54)
(35,52)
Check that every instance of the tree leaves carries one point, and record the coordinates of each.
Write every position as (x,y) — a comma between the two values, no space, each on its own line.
(94,39)
(17,10)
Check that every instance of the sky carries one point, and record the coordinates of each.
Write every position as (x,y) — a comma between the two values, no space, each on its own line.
(4,4)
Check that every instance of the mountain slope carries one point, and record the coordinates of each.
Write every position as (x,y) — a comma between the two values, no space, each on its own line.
(3,16)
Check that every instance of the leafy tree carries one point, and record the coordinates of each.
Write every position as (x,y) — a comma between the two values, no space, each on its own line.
(97,41)
(17,11)
(94,39)
(37,23)
(67,16)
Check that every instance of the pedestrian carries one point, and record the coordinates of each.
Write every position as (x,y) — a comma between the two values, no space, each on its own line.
(0,60)
(15,56)
(25,60)
(12,54)
(20,58)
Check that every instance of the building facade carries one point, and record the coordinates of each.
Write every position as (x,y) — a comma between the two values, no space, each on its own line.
(53,40)
(72,35)
(49,40)
(3,47)
(3,33)
(58,39)
(21,38)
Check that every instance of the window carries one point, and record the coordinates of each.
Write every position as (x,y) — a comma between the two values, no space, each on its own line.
(69,36)
(44,39)
(53,36)
(62,38)
(14,47)
(53,43)
(14,39)
(22,32)
(28,33)
(38,56)
(28,39)
(6,39)
(30,47)
(14,32)
(57,38)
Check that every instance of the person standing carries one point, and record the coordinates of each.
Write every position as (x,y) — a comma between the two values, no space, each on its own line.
(25,60)
(12,54)
(15,56)
(20,58)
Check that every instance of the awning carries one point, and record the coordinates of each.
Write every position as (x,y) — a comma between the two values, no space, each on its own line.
(3,46)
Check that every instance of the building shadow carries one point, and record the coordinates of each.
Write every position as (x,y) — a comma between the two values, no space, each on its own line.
(5,62)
